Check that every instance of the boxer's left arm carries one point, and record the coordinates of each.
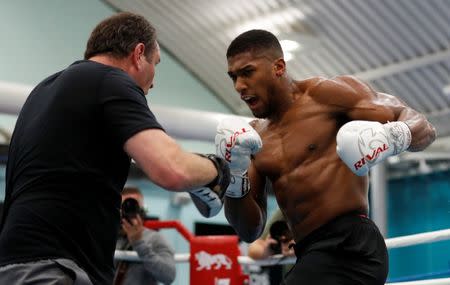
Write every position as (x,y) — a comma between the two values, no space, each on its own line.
(423,133)
(361,102)
(358,101)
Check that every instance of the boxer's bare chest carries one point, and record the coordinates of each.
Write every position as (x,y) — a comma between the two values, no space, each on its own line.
(306,131)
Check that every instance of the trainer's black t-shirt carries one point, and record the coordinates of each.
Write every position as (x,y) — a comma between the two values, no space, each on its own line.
(66,167)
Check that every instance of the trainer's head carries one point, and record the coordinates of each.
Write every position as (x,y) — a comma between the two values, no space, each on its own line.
(128,40)
(256,65)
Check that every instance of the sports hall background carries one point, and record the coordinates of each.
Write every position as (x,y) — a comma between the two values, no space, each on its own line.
(40,37)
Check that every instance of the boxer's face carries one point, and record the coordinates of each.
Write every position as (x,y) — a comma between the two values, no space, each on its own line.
(253,77)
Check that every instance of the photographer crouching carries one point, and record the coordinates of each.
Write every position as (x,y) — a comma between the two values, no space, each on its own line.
(158,257)
(276,239)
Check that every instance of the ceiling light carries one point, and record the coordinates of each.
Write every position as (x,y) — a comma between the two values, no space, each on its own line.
(446,90)
(274,22)
(288,45)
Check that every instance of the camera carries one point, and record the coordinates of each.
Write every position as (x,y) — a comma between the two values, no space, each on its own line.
(131,209)
(280,232)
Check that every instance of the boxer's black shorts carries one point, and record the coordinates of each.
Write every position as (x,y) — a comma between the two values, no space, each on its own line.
(349,250)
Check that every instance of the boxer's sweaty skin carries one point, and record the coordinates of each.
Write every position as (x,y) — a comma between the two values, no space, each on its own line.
(300,120)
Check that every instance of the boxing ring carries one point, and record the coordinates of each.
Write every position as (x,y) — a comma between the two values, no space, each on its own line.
(222,262)
(229,268)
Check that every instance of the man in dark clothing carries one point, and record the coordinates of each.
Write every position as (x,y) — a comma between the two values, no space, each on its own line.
(70,154)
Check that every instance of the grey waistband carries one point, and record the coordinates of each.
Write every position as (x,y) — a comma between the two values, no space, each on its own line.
(49,271)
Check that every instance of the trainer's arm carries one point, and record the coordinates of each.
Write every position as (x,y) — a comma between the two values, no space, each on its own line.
(166,164)
(359,101)
(248,214)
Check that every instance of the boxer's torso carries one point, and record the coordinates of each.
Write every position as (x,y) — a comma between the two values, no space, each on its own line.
(311,184)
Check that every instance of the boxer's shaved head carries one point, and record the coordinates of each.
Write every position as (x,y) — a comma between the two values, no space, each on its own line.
(256,41)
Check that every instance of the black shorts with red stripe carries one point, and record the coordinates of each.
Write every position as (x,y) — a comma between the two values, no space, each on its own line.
(348,250)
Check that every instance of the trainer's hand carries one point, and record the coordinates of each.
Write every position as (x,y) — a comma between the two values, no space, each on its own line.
(236,141)
(209,199)
(362,144)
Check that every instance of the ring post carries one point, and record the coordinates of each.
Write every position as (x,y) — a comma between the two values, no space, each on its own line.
(214,261)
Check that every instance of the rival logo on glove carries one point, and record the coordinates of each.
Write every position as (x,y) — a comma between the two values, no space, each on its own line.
(369,158)
(363,144)
(231,144)
(236,141)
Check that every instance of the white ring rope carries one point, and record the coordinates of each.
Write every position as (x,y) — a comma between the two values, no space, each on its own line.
(397,242)
(129,255)
(418,239)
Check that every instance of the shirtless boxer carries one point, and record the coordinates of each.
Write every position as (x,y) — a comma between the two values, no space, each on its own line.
(319,139)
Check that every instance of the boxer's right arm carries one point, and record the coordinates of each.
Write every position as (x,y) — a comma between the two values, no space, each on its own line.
(248,214)
(166,164)
(245,198)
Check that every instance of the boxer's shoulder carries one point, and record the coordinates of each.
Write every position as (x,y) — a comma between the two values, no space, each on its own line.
(259,124)
(318,83)
(342,90)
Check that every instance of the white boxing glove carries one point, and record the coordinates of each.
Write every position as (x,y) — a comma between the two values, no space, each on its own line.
(235,141)
(362,144)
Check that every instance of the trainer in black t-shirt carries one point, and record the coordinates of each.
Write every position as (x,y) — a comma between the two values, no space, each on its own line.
(66,167)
